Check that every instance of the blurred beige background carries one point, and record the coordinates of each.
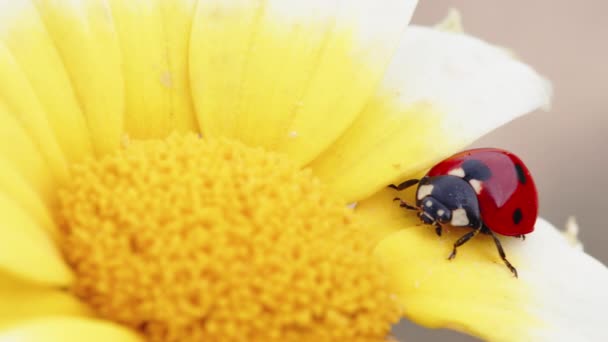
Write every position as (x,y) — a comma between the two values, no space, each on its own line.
(567,42)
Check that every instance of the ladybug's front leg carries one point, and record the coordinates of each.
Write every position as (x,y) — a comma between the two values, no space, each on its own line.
(404,185)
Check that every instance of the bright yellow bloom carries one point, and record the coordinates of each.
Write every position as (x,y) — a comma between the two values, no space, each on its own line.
(179,170)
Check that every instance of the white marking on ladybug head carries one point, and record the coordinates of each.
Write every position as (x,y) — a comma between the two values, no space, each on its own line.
(459,218)
(477,185)
(429,203)
(424,190)
(459,172)
(440,212)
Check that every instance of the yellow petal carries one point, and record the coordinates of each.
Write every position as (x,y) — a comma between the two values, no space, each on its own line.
(23,301)
(18,151)
(27,250)
(18,98)
(41,84)
(290,75)
(379,221)
(155,37)
(442,91)
(68,329)
(15,187)
(88,44)
(178,16)
(557,297)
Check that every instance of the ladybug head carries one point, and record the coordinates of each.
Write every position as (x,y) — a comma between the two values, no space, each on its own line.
(447,199)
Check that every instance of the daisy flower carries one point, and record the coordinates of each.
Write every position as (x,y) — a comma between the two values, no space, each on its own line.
(180,171)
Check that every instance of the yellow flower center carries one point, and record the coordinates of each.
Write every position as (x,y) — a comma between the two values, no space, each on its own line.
(185,239)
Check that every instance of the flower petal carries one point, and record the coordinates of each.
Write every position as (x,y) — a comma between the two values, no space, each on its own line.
(442,91)
(557,297)
(19,152)
(290,75)
(86,39)
(15,187)
(154,37)
(380,222)
(19,100)
(23,301)
(26,249)
(178,16)
(68,329)
(38,88)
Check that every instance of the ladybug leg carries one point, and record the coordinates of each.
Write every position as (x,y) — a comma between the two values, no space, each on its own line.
(438,228)
(404,185)
(522,236)
(503,256)
(402,204)
(463,239)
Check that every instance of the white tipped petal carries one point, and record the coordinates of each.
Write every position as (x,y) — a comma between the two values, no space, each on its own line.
(442,91)
(478,86)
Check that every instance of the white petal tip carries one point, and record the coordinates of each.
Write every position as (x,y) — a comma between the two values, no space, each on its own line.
(548,91)
(452,22)
(478,86)
(569,285)
(571,233)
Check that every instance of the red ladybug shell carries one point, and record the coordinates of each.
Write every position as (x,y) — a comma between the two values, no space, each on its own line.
(508,200)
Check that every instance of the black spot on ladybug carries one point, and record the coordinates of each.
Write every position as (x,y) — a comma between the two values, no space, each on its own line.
(520,174)
(517,216)
(475,169)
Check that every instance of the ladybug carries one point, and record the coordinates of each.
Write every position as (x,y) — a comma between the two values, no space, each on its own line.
(487,189)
